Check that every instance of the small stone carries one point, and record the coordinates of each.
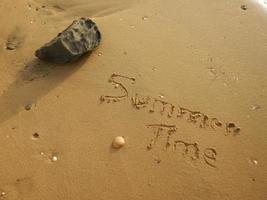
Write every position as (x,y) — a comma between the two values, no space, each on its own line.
(35,136)
(80,38)
(118,142)
(255,107)
(144,18)
(54,157)
(244,7)
(2,194)
(161,96)
(117,85)
(28,106)
(154,69)
(255,162)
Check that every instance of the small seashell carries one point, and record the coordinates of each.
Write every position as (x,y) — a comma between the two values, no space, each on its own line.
(118,142)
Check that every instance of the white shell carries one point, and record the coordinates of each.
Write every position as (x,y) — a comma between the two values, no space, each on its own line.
(118,142)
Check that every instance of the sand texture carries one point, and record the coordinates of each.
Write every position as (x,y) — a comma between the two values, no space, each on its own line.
(183,82)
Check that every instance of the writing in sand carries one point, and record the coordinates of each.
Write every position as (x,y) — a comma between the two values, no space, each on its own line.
(171,110)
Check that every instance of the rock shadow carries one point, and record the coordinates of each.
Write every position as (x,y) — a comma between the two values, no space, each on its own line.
(37,79)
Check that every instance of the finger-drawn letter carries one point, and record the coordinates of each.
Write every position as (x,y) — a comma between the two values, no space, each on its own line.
(117,84)
(165,107)
(159,128)
(209,157)
(140,102)
(189,148)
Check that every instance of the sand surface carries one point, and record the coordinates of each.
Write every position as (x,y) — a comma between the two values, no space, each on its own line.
(183,81)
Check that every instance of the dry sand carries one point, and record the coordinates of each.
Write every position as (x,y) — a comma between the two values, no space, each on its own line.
(174,56)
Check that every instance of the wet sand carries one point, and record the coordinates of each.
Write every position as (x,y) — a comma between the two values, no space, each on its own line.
(184,83)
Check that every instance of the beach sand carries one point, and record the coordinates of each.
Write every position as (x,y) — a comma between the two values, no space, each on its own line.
(184,82)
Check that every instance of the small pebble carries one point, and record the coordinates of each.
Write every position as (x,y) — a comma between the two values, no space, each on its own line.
(28,106)
(29,6)
(255,107)
(154,69)
(2,194)
(244,7)
(54,158)
(35,136)
(161,96)
(118,142)
(253,161)
(145,18)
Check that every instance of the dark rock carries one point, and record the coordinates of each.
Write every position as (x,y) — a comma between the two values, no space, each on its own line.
(81,37)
